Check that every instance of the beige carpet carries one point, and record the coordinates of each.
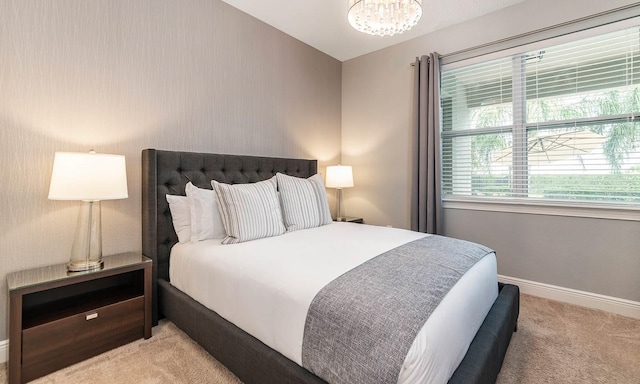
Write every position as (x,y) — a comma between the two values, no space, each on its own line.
(562,343)
(555,343)
(169,356)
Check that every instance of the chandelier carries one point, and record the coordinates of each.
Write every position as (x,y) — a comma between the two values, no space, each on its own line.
(384,17)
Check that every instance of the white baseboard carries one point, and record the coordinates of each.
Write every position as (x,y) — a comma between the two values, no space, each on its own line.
(572,296)
(4,351)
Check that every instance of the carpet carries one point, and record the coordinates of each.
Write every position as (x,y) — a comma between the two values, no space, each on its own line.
(555,343)
(563,343)
(169,356)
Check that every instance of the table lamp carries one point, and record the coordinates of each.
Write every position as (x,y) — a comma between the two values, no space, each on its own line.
(90,178)
(339,177)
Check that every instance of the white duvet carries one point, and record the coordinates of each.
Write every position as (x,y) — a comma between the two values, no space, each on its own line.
(266,287)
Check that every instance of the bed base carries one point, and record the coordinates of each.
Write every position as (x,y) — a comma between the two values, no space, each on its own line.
(254,362)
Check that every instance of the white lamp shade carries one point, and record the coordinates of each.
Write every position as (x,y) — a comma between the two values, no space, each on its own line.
(88,176)
(339,176)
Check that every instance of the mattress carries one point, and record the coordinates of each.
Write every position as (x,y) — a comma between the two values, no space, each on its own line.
(266,286)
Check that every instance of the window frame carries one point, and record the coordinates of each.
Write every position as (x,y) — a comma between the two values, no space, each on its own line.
(520,128)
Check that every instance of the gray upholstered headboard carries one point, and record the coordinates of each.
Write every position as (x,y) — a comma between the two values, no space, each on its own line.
(167,172)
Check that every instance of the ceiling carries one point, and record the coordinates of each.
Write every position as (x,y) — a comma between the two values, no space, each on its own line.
(323,24)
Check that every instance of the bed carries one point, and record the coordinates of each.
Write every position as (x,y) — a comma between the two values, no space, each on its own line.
(168,172)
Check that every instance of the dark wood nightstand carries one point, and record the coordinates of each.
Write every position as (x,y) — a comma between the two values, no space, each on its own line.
(58,318)
(348,219)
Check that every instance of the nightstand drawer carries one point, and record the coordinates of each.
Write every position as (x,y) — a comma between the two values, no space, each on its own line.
(81,336)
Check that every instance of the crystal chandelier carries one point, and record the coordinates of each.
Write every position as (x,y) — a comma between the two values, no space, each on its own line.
(384,17)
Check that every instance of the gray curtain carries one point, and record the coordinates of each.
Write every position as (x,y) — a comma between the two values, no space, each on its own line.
(426,203)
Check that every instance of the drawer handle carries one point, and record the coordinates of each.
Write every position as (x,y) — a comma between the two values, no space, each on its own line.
(92,316)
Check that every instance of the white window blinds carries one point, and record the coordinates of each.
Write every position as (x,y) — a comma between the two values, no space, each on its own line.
(556,123)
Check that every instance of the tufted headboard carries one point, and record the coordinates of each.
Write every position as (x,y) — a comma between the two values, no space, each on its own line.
(168,172)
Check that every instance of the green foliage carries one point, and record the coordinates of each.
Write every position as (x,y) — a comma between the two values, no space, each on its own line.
(622,139)
(611,187)
(482,146)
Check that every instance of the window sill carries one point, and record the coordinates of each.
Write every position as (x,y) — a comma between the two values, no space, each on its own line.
(552,208)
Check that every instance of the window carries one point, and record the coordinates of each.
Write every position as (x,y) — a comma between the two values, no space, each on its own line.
(558,124)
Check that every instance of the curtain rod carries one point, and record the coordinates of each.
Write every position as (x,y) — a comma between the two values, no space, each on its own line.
(497,43)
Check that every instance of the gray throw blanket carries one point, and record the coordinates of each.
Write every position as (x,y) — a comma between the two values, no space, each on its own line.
(360,326)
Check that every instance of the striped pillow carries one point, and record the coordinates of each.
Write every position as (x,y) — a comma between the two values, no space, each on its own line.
(249,211)
(304,202)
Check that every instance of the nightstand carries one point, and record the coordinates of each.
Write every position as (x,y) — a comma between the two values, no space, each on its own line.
(348,219)
(58,318)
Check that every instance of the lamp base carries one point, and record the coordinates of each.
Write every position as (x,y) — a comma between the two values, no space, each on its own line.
(339,215)
(85,266)
(86,252)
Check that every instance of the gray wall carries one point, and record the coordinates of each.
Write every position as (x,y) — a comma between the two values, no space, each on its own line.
(120,76)
(594,255)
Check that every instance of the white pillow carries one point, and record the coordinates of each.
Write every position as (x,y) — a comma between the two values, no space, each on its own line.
(304,202)
(249,211)
(181,216)
(206,222)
